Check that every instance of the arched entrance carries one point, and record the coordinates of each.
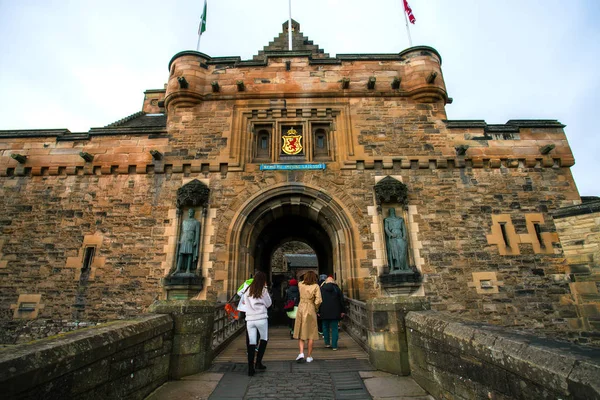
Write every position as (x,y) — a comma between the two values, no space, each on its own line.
(292,212)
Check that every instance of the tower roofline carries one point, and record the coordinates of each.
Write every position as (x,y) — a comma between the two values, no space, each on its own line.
(236,61)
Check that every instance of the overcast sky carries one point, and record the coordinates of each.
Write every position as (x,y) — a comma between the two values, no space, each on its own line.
(81,64)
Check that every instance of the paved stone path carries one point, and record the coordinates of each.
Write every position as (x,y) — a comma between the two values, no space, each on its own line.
(328,380)
(345,374)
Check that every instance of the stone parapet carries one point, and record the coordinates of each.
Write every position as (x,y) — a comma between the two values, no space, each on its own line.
(192,334)
(195,76)
(451,358)
(387,344)
(124,359)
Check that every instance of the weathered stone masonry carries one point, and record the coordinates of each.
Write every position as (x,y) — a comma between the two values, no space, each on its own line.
(480,196)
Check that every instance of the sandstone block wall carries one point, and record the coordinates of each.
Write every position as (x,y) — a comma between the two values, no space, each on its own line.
(479,203)
(451,358)
(579,231)
(126,359)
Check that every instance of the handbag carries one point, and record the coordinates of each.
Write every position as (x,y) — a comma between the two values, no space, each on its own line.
(232,311)
(232,307)
(289,305)
(292,314)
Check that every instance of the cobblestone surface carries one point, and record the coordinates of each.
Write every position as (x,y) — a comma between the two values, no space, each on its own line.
(297,385)
(290,380)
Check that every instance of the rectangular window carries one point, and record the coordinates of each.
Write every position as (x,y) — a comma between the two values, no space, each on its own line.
(486,284)
(262,142)
(321,141)
(88,258)
(320,134)
(27,306)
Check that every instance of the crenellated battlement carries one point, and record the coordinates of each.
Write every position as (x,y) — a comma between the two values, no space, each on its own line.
(414,73)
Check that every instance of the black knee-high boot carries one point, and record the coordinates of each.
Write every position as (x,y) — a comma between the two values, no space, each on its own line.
(262,346)
(251,351)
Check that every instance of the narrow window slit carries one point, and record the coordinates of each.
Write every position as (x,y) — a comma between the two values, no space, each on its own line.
(504,234)
(538,234)
(88,258)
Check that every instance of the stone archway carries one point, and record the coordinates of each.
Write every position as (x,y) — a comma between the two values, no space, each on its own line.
(292,212)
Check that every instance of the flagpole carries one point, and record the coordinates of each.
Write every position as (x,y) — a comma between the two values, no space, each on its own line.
(198,45)
(290,27)
(407,28)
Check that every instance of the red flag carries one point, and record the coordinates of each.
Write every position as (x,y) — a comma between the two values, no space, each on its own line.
(408,11)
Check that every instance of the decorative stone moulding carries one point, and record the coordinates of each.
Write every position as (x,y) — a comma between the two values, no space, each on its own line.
(402,283)
(390,190)
(192,194)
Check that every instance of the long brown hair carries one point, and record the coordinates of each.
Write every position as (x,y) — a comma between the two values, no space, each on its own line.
(258,284)
(310,278)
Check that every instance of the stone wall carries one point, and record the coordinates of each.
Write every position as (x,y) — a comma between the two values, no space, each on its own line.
(456,209)
(480,196)
(579,231)
(49,221)
(124,359)
(461,360)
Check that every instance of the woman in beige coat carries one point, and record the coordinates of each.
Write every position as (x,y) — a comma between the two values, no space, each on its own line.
(305,327)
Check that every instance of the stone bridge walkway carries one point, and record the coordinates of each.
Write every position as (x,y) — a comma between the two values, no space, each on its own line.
(342,374)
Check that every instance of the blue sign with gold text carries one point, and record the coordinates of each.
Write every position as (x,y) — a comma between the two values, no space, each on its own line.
(273,167)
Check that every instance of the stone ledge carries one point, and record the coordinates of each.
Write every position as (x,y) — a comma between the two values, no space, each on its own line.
(513,125)
(182,307)
(422,162)
(236,61)
(589,207)
(477,352)
(46,359)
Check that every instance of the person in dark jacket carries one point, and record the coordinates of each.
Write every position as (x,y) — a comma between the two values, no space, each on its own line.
(322,279)
(292,293)
(332,311)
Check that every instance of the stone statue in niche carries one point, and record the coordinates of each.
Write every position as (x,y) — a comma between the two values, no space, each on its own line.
(396,242)
(187,256)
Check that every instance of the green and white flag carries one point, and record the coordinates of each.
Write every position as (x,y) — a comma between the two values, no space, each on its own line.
(202,26)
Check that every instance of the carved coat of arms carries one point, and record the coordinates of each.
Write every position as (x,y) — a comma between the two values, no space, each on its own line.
(292,142)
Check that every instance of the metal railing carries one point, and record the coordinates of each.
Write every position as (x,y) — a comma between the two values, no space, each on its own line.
(225,329)
(355,321)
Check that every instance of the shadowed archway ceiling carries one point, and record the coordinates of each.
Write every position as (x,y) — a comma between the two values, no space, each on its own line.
(292,227)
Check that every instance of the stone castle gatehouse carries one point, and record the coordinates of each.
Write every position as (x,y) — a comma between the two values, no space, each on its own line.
(291,146)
